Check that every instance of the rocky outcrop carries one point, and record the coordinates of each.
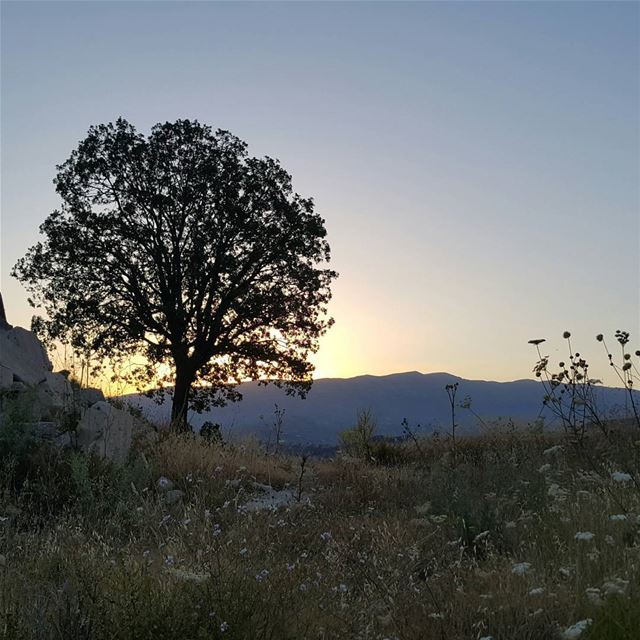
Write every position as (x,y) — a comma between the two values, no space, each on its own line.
(25,366)
(59,412)
(54,396)
(23,357)
(84,398)
(106,431)
(3,316)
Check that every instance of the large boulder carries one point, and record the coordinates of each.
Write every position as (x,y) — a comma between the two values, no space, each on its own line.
(50,432)
(54,396)
(54,405)
(106,431)
(6,377)
(87,397)
(23,357)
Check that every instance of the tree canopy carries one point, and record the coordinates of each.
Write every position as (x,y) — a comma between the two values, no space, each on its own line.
(182,248)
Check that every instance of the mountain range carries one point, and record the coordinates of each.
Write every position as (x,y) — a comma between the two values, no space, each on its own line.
(332,405)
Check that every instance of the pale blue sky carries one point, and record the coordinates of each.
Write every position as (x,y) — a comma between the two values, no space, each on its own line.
(477,164)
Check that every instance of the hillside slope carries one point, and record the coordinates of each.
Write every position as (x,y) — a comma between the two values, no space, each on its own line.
(333,403)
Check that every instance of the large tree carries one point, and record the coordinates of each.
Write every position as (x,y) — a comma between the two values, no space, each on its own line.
(183,249)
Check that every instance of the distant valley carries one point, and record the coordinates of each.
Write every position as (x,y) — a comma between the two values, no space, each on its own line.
(332,405)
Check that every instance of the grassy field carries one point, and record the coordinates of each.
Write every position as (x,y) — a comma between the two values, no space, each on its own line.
(511,535)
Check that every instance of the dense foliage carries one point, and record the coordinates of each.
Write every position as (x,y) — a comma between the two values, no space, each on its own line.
(182,248)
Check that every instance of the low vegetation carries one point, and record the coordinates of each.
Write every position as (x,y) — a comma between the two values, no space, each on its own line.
(517,535)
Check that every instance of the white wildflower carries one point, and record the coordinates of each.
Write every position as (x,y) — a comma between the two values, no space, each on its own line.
(263,575)
(552,450)
(481,536)
(577,629)
(585,536)
(520,568)
(620,476)
(615,587)
(188,576)
(164,483)
(223,627)
(618,517)
(594,596)
(538,591)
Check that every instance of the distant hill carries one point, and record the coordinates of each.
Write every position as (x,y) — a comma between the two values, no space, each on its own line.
(332,404)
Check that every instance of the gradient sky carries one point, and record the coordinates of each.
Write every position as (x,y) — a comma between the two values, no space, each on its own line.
(477,164)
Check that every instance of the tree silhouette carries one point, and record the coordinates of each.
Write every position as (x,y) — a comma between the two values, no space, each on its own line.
(182,248)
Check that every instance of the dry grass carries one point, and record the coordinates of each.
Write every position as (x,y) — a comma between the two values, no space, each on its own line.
(429,545)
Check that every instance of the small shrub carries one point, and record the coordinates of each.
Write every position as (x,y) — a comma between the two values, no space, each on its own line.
(356,441)
(17,439)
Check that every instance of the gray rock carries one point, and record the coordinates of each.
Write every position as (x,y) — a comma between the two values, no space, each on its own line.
(54,396)
(3,316)
(50,432)
(271,499)
(43,430)
(23,355)
(173,496)
(106,431)
(26,376)
(6,377)
(87,397)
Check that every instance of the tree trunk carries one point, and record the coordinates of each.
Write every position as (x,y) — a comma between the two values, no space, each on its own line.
(181,400)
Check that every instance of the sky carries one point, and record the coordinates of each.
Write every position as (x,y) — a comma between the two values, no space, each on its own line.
(477,164)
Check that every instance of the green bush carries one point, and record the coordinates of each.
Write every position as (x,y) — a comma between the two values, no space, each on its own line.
(17,439)
(356,441)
